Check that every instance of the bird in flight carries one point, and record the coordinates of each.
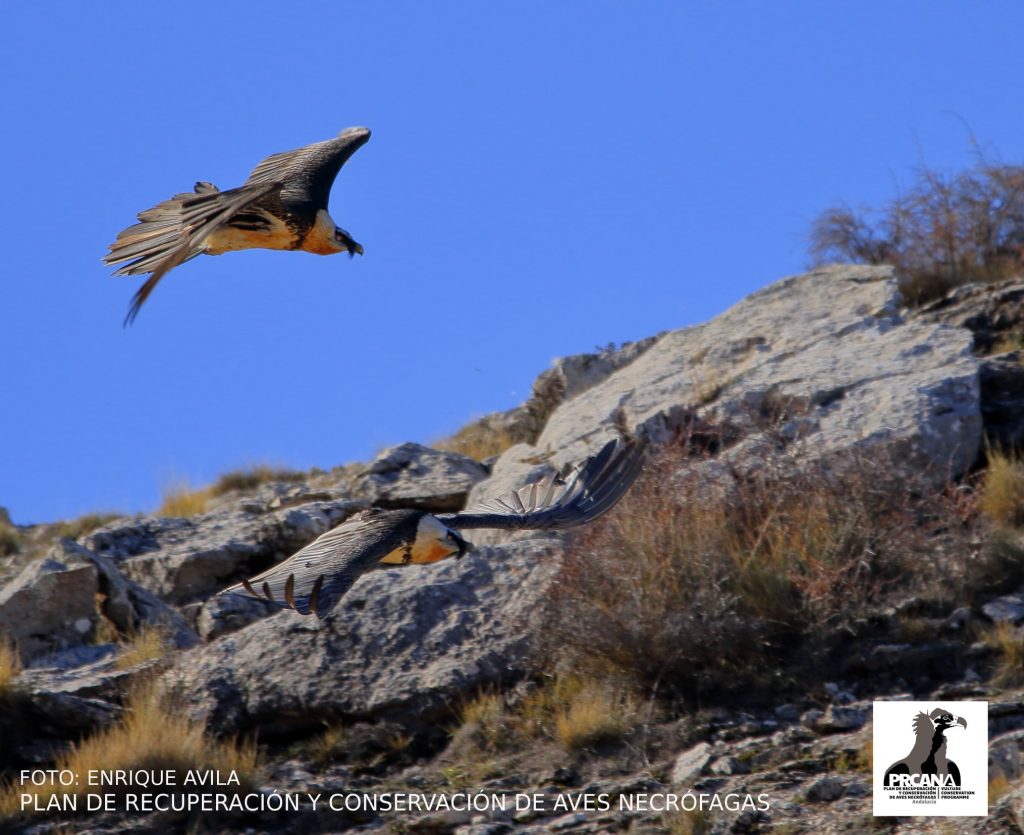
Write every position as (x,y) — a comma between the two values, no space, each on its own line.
(313,580)
(283,205)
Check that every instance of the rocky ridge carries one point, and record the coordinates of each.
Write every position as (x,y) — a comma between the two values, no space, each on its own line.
(807,369)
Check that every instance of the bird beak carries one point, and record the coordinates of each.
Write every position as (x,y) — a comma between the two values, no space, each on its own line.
(354,248)
(961,721)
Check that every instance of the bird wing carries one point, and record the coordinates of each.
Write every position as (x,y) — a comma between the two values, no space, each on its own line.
(314,579)
(174,231)
(308,173)
(554,502)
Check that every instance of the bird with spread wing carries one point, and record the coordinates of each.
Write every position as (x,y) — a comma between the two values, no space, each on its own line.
(283,205)
(313,580)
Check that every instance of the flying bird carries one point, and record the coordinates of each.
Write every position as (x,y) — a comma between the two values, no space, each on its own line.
(313,580)
(283,205)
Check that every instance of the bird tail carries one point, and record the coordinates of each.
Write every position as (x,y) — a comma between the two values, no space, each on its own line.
(157,234)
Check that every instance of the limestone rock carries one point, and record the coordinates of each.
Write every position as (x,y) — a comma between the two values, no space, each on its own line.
(825,358)
(402,644)
(57,602)
(183,560)
(411,475)
(690,765)
(1006,609)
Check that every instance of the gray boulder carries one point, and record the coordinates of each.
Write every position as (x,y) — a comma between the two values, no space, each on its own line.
(810,367)
(403,644)
(411,475)
(184,560)
(58,602)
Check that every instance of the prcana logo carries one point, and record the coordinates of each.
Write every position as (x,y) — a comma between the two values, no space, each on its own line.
(927,760)
(945,770)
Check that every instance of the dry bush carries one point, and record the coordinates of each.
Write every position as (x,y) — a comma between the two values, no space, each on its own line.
(250,477)
(478,440)
(1002,489)
(694,583)
(152,737)
(942,232)
(10,542)
(180,500)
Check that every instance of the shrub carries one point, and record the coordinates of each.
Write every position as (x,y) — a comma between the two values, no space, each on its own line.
(941,232)
(694,583)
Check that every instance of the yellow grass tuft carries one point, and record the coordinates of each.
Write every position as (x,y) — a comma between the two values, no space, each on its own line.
(10,666)
(1002,490)
(183,501)
(328,746)
(249,477)
(478,440)
(572,711)
(594,714)
(1009,643)
(687,823)
(146,644)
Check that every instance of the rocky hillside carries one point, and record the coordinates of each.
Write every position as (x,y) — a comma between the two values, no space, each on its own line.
(828,516)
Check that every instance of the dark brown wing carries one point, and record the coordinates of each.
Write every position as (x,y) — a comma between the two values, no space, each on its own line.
(592,489)
(313,580)
(308,173)
(174,231)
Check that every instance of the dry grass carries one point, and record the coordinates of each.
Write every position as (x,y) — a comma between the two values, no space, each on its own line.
(478,440)
(251,477)
(1002,490)
(941,232)
(77,528)
(687,823)
(693,585)
(593,716)
(329,746)
(10,667)
(1009,643)
(153,737)
(147,643)
(574,712)
(181,500)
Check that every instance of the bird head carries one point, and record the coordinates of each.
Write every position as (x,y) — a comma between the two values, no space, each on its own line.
(435,541)
(944,719)
(345,243)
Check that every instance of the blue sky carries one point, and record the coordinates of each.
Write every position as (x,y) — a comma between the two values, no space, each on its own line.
(543,178)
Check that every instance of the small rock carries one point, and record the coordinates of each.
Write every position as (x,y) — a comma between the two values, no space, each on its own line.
(788,713)
(690,764)
(957,619)
(837,718)
(566,777)
(1006,609)
(729,765)
(826,790)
